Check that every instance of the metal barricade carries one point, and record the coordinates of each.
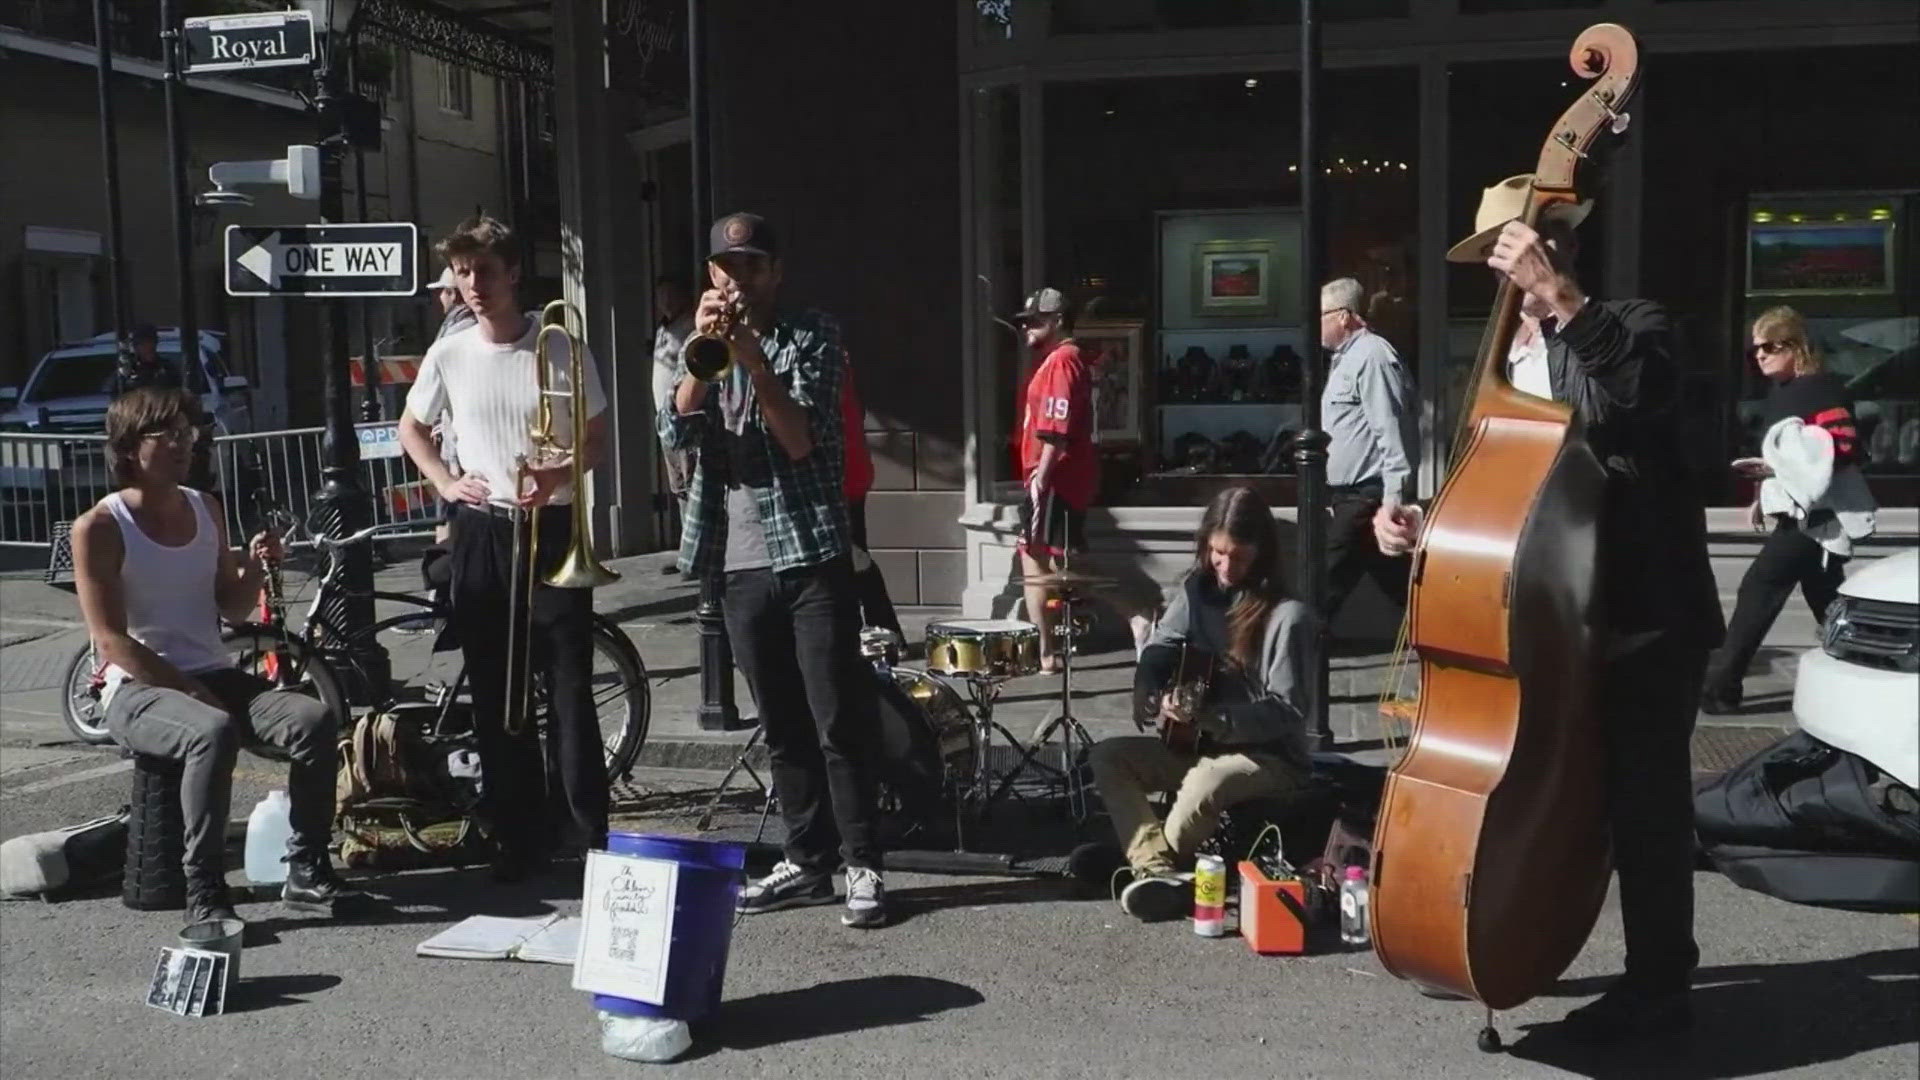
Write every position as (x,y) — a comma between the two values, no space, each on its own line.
(287,469)
(47,480)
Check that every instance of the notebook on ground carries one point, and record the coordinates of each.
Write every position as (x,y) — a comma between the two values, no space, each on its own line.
(550,939)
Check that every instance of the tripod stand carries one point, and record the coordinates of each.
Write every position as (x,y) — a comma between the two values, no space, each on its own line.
(739,765)
(1074,785)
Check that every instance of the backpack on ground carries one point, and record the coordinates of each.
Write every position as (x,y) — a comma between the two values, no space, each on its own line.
(397,805)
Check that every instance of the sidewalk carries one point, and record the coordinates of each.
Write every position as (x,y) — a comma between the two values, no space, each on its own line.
(41,630)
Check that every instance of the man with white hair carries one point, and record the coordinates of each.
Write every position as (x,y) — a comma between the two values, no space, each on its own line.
(1367,411)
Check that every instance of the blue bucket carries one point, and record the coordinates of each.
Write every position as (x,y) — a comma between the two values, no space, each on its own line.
(711,874)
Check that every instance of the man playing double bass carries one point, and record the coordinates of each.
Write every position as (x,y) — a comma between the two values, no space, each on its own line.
(1613,362)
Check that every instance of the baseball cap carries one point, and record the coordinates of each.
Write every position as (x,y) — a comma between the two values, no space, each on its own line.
(742,234)
(1043,302)
(445,281)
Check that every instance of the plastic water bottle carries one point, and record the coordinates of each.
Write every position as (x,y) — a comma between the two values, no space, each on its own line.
(269,828)
(1353,907)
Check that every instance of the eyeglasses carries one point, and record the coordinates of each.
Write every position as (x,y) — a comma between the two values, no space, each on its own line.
(173,433)
(1334,311)
(1771,347)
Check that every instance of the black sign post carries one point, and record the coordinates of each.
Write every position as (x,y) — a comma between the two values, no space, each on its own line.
(370,258)
(235,42)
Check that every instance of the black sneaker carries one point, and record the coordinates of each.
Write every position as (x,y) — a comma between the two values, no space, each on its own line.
(1624,1013)
(313,886)
(1157,897)
(207,900)
(1716,704)
(786,885)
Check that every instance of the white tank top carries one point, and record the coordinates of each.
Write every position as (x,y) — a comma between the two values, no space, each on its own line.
(169,592)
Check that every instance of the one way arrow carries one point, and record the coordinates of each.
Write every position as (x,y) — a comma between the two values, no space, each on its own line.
(262,260)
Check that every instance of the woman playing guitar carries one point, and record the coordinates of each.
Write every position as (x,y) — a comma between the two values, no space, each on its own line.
(1223,671)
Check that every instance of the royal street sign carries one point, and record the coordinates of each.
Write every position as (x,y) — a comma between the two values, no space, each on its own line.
(232,42)
(373,258)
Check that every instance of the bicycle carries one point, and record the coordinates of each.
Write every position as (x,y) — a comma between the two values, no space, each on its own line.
(335,667)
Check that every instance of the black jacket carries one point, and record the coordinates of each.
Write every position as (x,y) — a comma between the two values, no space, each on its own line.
(1614,363)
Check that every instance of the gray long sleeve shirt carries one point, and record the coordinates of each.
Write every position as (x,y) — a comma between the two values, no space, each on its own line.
(1368,411)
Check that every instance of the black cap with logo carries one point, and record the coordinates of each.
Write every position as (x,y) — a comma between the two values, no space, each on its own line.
(742,234)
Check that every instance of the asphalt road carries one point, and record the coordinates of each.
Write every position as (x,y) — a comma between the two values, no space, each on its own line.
(979,977)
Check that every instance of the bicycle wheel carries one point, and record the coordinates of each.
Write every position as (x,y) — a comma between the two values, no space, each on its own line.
(80,706)
(622,698)
(287,662)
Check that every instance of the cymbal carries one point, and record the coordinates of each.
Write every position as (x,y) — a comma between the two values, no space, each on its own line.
(1071,581)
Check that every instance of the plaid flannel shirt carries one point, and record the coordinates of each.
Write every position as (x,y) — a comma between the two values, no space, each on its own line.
(802,505)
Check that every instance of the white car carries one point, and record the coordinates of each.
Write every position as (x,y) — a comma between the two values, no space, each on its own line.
(1860,690)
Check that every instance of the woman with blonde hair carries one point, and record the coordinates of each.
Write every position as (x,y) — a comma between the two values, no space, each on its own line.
(1810,488)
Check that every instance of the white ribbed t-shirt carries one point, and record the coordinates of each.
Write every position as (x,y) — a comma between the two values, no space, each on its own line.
(488,392)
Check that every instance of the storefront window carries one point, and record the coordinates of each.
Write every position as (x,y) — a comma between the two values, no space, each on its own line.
(997,256)
(1115,16)
(1172,223)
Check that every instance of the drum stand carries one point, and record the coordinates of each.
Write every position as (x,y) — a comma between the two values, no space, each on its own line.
(740,763)
(1075,787)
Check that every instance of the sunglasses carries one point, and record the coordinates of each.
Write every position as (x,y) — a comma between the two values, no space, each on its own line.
(1772,347)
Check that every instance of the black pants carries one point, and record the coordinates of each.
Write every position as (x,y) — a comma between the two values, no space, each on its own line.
(1789,558)
(525,802)
(876,607)
(796,637)
(1352,551)
(1649,699)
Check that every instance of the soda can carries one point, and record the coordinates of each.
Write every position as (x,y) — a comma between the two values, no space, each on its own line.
(1210,896)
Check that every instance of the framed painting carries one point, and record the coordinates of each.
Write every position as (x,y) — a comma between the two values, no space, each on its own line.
(1234,277)
(1113,347)
(1816,258)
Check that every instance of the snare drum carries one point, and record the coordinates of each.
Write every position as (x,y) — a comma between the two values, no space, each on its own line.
(984,648)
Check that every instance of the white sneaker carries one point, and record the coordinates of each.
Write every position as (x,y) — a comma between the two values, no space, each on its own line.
(786,885)
(866,899)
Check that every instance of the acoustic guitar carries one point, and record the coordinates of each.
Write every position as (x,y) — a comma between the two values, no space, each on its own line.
(1181,700)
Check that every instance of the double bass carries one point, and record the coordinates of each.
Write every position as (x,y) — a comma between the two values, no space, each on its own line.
(1491,852)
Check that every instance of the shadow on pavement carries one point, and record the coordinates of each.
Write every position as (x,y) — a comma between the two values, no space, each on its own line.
(836,1008)
(904,904)
(1753,1019)
(268,991)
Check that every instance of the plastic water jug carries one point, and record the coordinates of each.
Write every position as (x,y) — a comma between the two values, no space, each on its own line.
(269,828)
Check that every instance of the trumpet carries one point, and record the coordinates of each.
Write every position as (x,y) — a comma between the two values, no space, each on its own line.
(579,569)
(708,356)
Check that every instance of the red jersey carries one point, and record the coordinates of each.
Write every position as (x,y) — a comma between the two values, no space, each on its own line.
(1060,403)
(859,477)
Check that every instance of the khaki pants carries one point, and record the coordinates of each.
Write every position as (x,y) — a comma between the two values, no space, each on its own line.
(1126,770)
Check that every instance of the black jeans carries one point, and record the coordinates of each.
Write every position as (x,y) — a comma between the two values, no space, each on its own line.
(1649,699)
(1788,559)
(1352,550)
(796,636)
(876,607)
(524,804)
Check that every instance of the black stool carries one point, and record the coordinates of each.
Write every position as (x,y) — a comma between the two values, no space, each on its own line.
(156,838)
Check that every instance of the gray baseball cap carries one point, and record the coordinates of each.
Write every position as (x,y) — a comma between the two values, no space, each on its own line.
(1042,303)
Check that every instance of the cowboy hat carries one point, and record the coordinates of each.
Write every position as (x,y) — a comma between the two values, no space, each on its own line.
(1504,202)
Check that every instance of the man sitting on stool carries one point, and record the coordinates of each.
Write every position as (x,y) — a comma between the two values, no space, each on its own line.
(1233,609)
(155,574)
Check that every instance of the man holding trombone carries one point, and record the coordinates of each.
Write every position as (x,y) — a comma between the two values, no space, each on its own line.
(515,425)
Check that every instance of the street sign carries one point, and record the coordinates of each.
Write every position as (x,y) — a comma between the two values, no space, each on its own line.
(232,42)
(371,258)
(379,441)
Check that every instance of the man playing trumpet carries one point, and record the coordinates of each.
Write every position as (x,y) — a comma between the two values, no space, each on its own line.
(484,379)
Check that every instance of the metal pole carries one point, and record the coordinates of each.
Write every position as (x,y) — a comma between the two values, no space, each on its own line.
(110,157)
(201,473)
(343,506)
(371,409)
(1310,449)
(717,709)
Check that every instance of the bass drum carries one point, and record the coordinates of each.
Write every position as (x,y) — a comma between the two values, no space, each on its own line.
(927,742)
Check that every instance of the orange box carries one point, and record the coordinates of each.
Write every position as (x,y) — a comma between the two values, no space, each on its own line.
(1272,913)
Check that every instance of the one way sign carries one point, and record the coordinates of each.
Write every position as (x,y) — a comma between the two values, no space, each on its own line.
(376,258)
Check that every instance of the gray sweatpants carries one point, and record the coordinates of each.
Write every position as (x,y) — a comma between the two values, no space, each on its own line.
(207,741)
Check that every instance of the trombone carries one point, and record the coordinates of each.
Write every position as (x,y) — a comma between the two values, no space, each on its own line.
(579,569)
